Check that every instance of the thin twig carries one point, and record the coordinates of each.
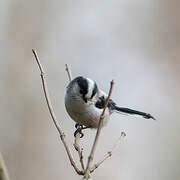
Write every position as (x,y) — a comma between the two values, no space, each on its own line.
(108,154)
(91,156)
(68,72)
(3,170)
(79,149)
(77,137)
(53,116)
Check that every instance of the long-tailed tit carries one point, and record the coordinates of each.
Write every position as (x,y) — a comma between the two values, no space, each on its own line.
(84,103)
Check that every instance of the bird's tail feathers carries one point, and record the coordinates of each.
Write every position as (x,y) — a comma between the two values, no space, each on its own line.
(127,111)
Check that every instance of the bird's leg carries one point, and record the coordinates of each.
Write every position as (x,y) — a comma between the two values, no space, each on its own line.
(79,129)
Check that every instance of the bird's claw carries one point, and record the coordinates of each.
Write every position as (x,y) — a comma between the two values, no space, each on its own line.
(78,126)
(78,130)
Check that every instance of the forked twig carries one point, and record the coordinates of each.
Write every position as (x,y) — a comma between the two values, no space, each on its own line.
(91,156)
(53,116)
(108,154)
(77,137)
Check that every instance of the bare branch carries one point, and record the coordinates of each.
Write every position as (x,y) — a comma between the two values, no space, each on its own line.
(3,170)
(109,154)
(91,156)
(53,116)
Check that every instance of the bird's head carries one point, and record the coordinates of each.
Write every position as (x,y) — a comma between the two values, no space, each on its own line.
(83,87)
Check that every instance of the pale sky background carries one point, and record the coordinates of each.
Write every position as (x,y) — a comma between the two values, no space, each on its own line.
(134,42)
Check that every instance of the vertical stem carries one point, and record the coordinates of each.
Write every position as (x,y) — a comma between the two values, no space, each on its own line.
(3,170)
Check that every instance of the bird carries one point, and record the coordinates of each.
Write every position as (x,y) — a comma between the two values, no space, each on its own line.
(84,102)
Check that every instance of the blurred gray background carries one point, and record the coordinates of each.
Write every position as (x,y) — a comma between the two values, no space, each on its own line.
(134,42)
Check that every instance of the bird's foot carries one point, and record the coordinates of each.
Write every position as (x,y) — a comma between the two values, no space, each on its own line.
(79,129)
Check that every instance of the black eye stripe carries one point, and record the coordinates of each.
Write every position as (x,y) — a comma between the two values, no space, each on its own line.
(83,84)
(94,90)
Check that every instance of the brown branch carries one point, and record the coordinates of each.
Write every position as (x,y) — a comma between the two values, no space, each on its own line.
(77,145)
(3,170)
(53,116)
(91,156)
(108,154)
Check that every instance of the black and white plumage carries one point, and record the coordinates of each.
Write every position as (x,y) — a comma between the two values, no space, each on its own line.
(84,102)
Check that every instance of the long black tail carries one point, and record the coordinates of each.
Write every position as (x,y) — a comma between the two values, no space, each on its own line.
(133,112)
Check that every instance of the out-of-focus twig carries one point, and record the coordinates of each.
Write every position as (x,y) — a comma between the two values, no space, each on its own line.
(91,156)
(53,116)
(3,170)
(77,145)
(108,154)
(68,72)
